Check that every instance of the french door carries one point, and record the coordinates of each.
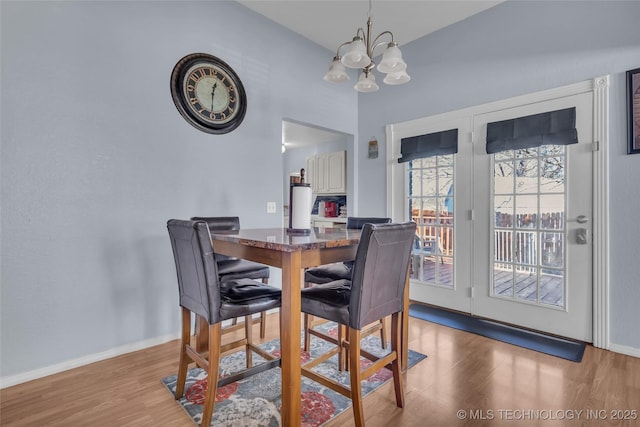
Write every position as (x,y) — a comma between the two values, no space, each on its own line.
(438,193)
(506,236)
(532,239)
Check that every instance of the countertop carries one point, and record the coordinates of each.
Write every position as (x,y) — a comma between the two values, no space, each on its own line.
(342,220)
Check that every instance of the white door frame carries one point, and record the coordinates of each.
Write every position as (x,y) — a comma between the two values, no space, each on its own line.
(600,89)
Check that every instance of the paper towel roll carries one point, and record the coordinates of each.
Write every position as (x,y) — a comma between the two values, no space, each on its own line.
(300,207)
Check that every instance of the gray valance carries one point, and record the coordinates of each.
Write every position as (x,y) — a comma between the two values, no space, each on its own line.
(550,128)
(431,144)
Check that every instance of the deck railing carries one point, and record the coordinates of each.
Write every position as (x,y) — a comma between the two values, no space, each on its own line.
(524,252)
(435,228)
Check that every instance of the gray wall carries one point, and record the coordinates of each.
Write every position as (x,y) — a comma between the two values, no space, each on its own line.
(96,159)
(516,48)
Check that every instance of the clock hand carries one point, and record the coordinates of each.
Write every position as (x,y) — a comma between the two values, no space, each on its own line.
(213,91)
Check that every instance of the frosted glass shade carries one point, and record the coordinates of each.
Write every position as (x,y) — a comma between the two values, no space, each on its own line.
(398,78)
(366,83)
(337,73)
(356,56)
(392,60)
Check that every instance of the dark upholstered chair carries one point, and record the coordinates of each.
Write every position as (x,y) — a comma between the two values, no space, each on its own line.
(340,270)
(202,293)
(337,271)
(376,290)
(230,268)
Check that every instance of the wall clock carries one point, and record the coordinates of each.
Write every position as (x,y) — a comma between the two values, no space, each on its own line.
(208,93)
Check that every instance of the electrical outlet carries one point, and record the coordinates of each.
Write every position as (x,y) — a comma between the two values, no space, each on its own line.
(271,207)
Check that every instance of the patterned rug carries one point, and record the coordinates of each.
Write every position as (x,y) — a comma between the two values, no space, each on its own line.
(256,401)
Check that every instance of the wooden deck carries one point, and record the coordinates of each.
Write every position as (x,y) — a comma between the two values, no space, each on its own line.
(551,289)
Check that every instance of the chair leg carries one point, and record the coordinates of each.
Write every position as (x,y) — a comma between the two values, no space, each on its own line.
(395,364)
(343,361)
(263,315)
(201,334)
(356,376)
(212,373)
(185,340)
(263,324)
(383,333)
(248,330)
(307,336)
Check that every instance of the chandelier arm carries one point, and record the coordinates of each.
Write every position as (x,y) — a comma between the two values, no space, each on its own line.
(376,43)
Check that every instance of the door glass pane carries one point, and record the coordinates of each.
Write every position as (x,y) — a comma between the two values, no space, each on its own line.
(527,176)
(428,179)
(431,205)
(503,279)
(503,249)
(552,249)
(552,174)
(526,211)
(552,206)
(503,208)
(529,225)
(526,248)
(503,177)
(527,285)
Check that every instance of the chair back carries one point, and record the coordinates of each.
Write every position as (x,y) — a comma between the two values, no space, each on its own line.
(380,272)
(220,223)
(196,268)
(357,222)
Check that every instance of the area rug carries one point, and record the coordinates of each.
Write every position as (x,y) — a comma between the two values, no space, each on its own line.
(566,349)
(256,401)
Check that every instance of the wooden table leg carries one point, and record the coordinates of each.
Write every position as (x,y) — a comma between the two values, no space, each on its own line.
(290,338)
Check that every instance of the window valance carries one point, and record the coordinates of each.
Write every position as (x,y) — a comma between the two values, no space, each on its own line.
(553,127)
(431,144)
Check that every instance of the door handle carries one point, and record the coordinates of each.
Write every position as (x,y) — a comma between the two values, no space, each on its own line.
(582,236)
(580,219)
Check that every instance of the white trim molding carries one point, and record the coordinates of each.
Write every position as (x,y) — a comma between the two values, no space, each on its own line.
(599,87)
(600,266)
(12,380)
(623,349)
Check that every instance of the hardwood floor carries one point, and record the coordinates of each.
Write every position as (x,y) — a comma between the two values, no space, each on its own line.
(492,382)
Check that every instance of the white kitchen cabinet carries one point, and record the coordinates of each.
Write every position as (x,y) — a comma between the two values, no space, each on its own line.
(310,174)
(327,173)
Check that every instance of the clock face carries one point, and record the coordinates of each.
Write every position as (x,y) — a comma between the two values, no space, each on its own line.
(208,93)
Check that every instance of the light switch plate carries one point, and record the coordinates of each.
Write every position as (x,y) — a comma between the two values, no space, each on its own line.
(271,207)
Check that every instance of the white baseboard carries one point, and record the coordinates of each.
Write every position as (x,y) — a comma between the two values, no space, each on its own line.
(11,380)
(622,349)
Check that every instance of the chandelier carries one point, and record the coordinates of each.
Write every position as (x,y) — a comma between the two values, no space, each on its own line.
(360,56)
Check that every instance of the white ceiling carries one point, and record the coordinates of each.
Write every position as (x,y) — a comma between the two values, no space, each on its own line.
(330,23)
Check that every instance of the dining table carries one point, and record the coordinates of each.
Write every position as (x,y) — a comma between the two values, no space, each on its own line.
(293,253)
